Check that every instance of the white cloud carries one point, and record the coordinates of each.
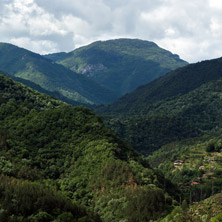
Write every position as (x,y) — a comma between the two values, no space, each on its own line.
(191,29)
(43,46)
(217,4)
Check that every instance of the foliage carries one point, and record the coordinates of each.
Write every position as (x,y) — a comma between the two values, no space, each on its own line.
(209,210)
(25,201)
(51,76)
(199,174)
(54,94)
(172,85)
(147,133)
(122,64)
(177,215)
(214,146)
(184,116)
(42,139)
(218,218)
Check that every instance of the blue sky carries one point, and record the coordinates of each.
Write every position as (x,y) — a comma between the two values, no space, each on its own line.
(192,29)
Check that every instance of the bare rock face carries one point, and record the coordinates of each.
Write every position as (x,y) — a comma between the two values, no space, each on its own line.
(91,69)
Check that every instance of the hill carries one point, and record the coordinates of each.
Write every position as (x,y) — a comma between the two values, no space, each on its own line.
(195,165)
(52,77)
(178,82)
(209,210)
(122,64)
(184,103)
(44,141)
(53,94)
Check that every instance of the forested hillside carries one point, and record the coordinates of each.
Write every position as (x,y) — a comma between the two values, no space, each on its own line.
(185,103)
(176,83)
(194,164)
(54,94)
(50,147)
(209,210)
(179,115)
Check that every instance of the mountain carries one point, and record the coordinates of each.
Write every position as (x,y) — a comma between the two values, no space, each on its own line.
(175,83)
(52,77)
(34,86)
(122,64)
(52,153)
(182,104)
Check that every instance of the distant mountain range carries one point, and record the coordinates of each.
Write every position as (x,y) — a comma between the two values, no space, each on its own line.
(122,64)
(178,105)
(94,74)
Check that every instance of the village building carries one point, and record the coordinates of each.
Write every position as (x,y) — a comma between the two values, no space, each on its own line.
(194,183)
(201,167)
(178,163)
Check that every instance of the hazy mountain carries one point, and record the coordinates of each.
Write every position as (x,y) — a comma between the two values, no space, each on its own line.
(122,64)
(50,76)
(175,83)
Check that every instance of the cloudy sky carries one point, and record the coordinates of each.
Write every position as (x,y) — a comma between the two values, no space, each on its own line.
(190,28)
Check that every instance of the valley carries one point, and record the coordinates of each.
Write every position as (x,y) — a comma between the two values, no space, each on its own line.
(152,154)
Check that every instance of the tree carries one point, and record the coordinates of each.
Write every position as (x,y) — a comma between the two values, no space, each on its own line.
(184,205)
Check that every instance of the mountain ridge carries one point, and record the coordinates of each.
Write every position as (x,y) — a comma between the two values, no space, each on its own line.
(120,64)
(50,76)
(177,82)
(184,103)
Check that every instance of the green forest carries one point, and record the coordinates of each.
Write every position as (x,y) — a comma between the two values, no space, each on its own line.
(50,147)
(153,155)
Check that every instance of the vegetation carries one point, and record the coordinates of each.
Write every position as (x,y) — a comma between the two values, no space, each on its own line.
(59,147)
(174,84)
(122,64)
(191,166)
(208,210)
(25,201)
(171,108)
(179,115)
(54,94)
(51,76)
(60,163)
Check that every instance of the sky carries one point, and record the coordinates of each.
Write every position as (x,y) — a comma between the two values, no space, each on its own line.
(190,28)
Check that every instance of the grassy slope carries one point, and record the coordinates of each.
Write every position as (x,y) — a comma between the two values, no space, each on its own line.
(122,64)
(50,76)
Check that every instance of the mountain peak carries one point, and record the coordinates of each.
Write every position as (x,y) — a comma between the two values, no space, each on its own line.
(127,63)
